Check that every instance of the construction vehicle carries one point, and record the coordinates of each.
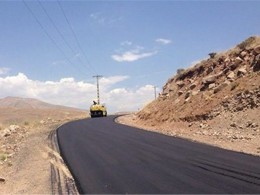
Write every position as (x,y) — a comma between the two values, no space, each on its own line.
(97,110)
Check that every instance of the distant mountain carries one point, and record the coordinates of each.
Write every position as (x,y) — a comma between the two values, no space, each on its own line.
(16,110)
(28,103)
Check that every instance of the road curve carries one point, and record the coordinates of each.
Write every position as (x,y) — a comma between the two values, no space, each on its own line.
(106,157)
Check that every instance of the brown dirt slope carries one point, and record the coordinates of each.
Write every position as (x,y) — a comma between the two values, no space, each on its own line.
(26,157)
(20,111)
(215,101)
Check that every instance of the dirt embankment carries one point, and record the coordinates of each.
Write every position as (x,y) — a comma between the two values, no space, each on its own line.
(28,162)
(216,101)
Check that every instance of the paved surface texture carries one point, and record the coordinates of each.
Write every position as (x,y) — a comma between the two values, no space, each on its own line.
(106,157)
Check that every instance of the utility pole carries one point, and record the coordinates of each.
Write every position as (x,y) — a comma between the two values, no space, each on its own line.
(98,77)
(155,93)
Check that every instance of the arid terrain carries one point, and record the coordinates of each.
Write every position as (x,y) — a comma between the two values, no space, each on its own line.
(26,155)
(215,101)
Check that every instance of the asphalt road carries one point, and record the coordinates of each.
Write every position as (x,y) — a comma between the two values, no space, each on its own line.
(106,157)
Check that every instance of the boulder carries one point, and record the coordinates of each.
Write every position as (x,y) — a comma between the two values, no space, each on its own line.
(205,132)
(227,60)
(204,87)
(233,124)
(249,123)
(172,87)
(254,125)
(220,87)
(13,128)
(2,180)
(177,101)
(180,93)
(187,95)
(209,79)
(212,85)
(226,70)
(241,71)
(210,69)
(243,54)
(256,63)
(257,49)
(42,121)
(193,85)
(5,133)
(247,58)
(221,60)
(188,99)
(180,84)
(238,60)
(190,80)
(236,63)
(231,75)
(193,93)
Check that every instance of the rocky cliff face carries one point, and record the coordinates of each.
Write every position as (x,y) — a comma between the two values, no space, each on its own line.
(225,86)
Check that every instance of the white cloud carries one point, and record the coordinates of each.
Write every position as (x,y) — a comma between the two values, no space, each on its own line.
(77,55)
(80,94)
(126,43)
(95,15)
(58,62)
(136,52)
(4,70)
(163,41)
(108,81)
(101,18)
(132,55)
(122,99)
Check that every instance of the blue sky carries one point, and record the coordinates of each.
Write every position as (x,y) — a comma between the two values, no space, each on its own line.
(133,44)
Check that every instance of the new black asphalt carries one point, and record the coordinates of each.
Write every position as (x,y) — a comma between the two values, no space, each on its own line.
(106,157)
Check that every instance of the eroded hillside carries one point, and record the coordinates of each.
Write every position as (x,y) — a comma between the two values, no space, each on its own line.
(215,101)
(225,82)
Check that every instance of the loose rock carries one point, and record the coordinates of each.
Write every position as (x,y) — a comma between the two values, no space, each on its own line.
(231,75)
(2,180)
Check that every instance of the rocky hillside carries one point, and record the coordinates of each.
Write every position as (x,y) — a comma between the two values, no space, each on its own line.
(226,86)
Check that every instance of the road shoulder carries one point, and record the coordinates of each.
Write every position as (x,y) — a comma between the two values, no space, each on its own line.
(36,166)
(230,141)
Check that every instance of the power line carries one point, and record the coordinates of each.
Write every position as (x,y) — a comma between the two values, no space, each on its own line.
(57,29)
(46,32)
(59,32)
(48,35)
(74,34)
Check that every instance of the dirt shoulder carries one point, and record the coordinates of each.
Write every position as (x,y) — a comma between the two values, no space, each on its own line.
(214,132)
(28,162)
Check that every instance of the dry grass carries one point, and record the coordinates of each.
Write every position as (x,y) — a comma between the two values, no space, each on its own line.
(3,157)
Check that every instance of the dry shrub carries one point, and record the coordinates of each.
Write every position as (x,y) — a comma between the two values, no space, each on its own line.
(248,42)
(179,71)
(26,123)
